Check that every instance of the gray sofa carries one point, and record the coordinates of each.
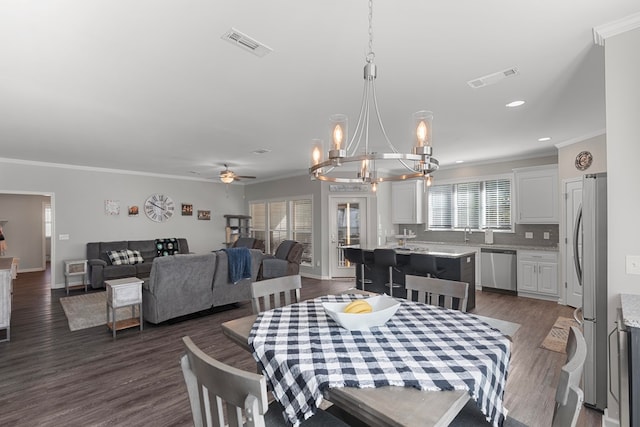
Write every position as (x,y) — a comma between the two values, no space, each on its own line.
(101,268)
(185,284)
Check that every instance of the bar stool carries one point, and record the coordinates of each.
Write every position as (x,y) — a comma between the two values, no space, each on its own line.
(425,265)
(356,256)
(387,258)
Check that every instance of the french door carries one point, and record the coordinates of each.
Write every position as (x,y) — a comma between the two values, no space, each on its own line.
(348,228)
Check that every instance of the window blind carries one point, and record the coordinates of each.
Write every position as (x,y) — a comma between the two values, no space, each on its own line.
(475,204)
(467,205)
(441,206)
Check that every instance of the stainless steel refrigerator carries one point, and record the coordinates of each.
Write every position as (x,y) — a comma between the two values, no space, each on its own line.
(591,269)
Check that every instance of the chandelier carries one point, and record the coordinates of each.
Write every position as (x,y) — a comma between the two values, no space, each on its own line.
(418,164)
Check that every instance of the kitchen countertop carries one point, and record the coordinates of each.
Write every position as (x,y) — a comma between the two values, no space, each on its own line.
(441,253)
(485,245)
(630,310)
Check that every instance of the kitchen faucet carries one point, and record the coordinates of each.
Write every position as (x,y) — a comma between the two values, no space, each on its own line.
(466,238)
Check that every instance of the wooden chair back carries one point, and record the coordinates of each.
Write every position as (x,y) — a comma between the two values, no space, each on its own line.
(281,291)
(214,386)
(429,290)
(569,396)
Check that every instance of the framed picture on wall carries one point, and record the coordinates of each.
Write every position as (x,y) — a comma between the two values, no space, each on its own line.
(205,215)
(187,209)
(112,207)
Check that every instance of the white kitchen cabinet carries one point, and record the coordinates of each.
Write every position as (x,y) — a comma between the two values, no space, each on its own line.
(5,301)
(538,274)
(536,190)
(407,202)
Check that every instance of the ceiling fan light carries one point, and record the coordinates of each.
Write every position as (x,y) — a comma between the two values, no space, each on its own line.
(227,179)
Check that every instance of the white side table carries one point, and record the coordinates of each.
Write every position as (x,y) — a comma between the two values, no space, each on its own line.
(77,267)
(121,293)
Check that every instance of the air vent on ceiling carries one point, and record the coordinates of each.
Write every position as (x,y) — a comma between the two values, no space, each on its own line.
(493,78)
(244,41)
(261,151)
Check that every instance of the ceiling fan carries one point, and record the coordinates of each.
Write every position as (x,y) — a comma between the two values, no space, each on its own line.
(228,176)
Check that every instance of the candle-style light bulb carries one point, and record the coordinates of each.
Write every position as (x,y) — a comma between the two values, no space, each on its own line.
(316,155)
(338,135)
(374,187)
(428,180)
(421,133)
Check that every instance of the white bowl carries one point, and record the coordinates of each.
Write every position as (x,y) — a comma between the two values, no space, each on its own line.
(383,308)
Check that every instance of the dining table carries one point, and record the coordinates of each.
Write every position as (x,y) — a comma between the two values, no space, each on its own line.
(418,369)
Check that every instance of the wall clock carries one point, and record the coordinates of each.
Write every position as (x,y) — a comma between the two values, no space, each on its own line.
(583,160)
(112,207)
(159,207)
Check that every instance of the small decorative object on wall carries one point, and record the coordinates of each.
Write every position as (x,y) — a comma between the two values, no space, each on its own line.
(355,188)
(112,207)
(159,207)
(187,209)
(133,210)
(583,160)
(206,215)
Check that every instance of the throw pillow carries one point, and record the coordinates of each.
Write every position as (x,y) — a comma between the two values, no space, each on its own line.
(118,257)
(167,247)
(135,257)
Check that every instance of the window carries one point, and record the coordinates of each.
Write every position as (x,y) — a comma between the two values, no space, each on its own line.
(258,221)
(475,204)
(278,227)
(302,224)
(47,221)
(275,221)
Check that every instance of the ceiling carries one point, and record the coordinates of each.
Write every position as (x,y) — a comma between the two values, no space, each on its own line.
(150,86)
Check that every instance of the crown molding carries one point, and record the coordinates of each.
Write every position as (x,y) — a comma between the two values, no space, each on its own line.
(581,138)
(101,170)
(622,25)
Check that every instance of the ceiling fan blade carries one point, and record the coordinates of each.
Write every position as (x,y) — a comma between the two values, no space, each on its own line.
(245,177)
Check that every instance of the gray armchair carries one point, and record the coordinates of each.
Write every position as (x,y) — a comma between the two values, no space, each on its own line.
(286,261)
(249,242)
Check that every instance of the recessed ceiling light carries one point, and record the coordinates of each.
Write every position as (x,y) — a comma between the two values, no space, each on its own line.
(544,138)
(515,104)
(459,161)
(261,151)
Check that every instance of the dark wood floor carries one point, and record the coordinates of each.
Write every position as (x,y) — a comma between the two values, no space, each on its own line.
(50,376)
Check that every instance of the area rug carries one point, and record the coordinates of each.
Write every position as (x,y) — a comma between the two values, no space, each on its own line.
(556,339)
(89,310)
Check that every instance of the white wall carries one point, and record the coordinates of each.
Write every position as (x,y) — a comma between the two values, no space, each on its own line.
(24,230)
(622,71)
(78,196)
(597,146)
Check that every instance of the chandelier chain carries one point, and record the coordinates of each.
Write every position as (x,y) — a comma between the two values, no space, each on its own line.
(370,55)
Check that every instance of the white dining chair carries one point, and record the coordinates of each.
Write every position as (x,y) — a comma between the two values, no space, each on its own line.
(214,386)
(569,396)
(282,291)
(429,290)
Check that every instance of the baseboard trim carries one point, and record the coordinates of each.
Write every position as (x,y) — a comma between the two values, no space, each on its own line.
(608,421)
(315,276)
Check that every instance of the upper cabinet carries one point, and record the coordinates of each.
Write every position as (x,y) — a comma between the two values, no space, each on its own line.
(537,195)
(407,202)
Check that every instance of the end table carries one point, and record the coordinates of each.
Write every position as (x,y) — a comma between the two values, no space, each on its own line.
(121,293)
(72,268)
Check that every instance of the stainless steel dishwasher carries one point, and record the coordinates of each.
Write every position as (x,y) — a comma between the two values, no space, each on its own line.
(498,268)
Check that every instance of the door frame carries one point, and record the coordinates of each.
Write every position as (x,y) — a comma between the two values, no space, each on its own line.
(567,242)
(52,199)
(367,229)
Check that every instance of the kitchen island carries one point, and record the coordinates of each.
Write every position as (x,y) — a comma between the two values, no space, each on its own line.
(459,266)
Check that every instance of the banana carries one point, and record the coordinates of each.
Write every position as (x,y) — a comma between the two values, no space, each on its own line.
(358,307)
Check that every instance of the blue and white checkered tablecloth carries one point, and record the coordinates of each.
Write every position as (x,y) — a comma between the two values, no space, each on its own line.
(303,352)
